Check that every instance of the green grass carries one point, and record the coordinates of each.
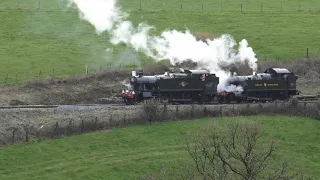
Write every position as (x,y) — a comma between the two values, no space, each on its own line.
(131,152)
(34,41)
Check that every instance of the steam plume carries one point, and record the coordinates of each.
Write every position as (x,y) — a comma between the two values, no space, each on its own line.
(106,15)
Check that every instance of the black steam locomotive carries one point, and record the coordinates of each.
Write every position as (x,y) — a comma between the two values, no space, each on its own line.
(200,86)
(273,84)
(187,86)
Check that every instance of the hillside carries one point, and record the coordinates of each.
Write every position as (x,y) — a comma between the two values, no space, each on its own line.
(52,41)
(132,152)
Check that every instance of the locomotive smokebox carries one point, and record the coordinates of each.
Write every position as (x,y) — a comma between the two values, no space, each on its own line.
(140,73)
(133,73)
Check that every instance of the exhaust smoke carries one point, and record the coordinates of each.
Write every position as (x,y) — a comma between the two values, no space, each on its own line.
(176,46)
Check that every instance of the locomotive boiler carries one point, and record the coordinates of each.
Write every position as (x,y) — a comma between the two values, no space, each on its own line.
(186,86)
(273,84)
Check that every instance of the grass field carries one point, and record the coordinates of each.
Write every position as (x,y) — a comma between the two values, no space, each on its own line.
(131,152)
(55,41)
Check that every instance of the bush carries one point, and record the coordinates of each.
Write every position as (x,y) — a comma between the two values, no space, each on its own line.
(151,111)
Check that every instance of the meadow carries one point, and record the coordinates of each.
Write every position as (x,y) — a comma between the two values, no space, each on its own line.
(128,153)
(41,39)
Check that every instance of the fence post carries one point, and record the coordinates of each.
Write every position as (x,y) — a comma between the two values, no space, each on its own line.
(177,112)
(27,133)
(6,79)
(124,123)
(16,78)
(110,121)
(53,72)
(192,111)
(39,76)
(13,135)
(86,69)
(82,126)
(307,52)
(96,123)
(140,5)
(55,132)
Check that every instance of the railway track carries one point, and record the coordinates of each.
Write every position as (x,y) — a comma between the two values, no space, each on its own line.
(99,106)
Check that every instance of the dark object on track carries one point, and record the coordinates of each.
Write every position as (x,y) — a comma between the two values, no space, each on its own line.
(188,86)
(273,84)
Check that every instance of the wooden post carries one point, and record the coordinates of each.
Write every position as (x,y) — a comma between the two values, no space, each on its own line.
(55,130)
(39,76)
(124,119)
(13,135)
(177,112)
(86,69)
(307,52)
(192,111)
(110,120)
(82,126)
(96,123)
(27,133)
(6,79)
(16,78)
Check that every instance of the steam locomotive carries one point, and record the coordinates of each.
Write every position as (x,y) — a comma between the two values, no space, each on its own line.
(273,84)
(200,86)
(193,86)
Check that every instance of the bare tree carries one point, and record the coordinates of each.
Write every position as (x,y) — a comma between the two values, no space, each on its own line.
(233,153)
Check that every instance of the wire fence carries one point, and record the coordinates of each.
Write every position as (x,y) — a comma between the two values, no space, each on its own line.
(57,73)
(77,124)
(155,5)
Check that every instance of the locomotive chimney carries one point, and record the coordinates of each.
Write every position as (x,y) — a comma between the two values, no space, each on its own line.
(134,73)
(140,73)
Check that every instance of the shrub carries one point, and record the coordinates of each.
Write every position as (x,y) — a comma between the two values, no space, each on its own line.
(151,111)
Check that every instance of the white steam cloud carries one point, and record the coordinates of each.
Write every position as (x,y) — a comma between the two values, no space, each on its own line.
(176,46)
